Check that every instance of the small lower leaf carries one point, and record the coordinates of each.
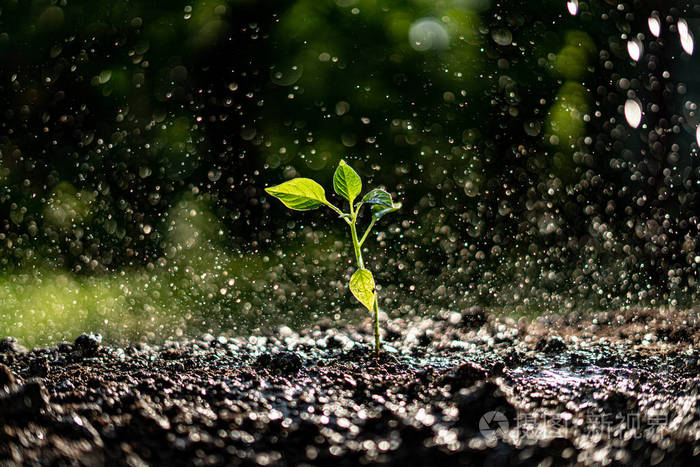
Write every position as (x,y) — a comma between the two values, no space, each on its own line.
(362,287)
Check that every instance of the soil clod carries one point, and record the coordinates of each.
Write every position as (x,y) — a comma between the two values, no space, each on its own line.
(474,317)
(551,344)
(88,344)
(7,379)
(9,344)
(26,400)
(282,362)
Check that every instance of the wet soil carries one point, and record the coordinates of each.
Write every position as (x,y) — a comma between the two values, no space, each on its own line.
(459,389)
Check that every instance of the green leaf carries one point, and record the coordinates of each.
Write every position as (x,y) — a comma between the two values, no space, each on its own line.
(362,287)
(346,182)
(300,194)
(379,211)
(378,197)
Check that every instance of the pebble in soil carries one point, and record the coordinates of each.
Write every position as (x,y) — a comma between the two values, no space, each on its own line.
(604,390)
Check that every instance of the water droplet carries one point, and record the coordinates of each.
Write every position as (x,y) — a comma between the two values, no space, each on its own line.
(572,6)
(697,135)
(214,175)
(634,48)
(655,24)
(685,35)
(286,75)
(145,172)
(687,43)
(502,36)
(633,112)
(106,75)
(428,34)
(532,128)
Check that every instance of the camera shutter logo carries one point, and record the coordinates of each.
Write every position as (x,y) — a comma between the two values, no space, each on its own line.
(493,424)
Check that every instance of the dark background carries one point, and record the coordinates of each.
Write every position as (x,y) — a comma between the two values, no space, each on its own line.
(136,139)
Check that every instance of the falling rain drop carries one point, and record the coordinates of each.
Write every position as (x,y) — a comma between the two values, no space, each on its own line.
(633,112)
(634,48)
(697,135)
(572,6)
(655,24)
(687,43)
(686,36)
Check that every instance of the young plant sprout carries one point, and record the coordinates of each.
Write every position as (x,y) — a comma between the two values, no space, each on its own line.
(304,194)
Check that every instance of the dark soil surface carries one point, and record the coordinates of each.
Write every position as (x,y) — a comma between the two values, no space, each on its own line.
(460,389)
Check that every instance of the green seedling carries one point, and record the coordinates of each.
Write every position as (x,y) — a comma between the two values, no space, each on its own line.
(304,194)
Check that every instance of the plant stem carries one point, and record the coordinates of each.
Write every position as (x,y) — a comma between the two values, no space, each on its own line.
(377,342)
(355,243)
(358,255)
(338,211)
(364,237)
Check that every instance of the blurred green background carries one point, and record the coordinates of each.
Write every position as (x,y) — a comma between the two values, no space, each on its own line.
(136,138)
